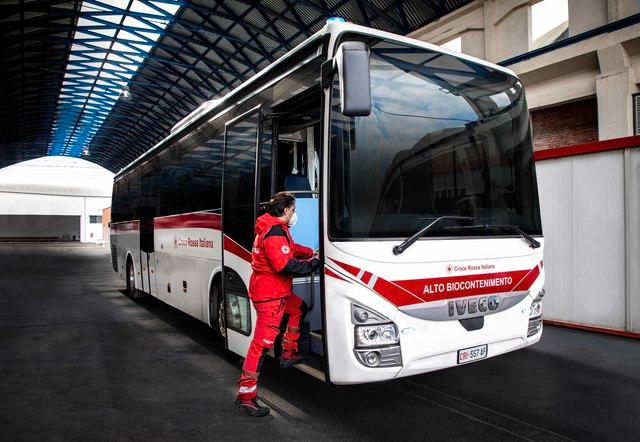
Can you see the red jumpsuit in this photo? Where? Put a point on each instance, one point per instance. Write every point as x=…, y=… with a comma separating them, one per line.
x=275, y=260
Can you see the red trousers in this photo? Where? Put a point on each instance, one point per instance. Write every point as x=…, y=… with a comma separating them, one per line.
x=269, y=316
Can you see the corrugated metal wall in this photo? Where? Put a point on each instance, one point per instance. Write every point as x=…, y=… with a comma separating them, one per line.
x=591, y=253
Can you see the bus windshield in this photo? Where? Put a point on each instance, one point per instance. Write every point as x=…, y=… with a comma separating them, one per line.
x=446, y=136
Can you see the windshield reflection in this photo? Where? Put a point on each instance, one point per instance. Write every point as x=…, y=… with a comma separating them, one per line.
x=445, y=137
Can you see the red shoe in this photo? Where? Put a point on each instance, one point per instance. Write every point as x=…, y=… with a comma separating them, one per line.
x=252, y=407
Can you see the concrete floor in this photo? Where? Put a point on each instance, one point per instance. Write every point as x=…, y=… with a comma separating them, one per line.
x=80, y=360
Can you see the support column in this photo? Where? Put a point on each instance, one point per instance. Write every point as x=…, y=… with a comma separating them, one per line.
x=585, y=15
x=615, y=118
x=510, y=24
x=618, y=9
x=83, y=221
x=473, y=43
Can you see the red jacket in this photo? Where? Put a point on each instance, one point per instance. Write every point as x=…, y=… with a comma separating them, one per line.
x=276, y=259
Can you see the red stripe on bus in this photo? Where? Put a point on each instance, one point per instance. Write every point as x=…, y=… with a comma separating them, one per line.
x=233, y=247
x=199, y=220
x=388, y=290
x=413, y=291
x=124, y=226
x=435, y=289
x=349, y=268
x=394, y=293
x=528, y=279
x=329, y=272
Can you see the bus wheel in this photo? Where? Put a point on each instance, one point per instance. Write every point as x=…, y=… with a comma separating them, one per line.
x=131, y=279
x=132, y=291
x=217, y=314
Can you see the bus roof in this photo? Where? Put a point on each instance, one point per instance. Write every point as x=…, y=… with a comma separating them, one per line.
x=332, y=30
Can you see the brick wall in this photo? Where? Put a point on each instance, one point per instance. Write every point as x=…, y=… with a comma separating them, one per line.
x=106, y=219
x=565, y=124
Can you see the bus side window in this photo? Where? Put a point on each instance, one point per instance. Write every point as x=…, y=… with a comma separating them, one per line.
x=266, y=163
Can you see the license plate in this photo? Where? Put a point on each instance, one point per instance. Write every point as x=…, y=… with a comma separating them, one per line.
x=472, y=354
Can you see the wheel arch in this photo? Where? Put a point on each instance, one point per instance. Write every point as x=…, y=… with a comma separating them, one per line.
x=215, y=278
x=129, y=255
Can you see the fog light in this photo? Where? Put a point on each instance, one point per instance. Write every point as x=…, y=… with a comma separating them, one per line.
x=372, y=358
x=360, y=314
x=380, y=357
x=535, y=325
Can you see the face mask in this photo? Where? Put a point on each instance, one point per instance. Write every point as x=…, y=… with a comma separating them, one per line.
x=293, y=220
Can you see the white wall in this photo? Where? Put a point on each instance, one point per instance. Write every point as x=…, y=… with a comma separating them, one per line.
x=591, y=250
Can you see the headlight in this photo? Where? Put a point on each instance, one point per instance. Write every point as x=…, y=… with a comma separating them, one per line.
x=536, y=310
x=376, y=335
x=536, y=305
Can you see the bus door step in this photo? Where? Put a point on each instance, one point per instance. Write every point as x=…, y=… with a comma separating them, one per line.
x=316, y=342
x=314, y=367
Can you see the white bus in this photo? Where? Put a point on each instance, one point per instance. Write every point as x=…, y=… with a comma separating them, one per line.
x=413, y=171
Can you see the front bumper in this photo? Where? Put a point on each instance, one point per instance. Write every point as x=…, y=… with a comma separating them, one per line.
x=425, y=345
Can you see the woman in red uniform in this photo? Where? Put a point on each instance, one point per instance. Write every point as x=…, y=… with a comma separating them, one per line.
x=275, y=260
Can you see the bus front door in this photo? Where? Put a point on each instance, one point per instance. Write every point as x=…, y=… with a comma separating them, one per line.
x=147, y=251
x=238, y=216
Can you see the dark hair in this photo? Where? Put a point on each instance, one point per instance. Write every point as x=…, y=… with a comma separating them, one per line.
x=279, y=202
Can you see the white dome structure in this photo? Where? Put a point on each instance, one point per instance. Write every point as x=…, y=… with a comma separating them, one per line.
x=54, y=198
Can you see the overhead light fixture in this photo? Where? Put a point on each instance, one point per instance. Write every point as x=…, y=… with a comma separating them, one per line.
x=125, y=94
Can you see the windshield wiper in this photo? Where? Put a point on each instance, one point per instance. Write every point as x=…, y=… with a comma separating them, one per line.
x=413, y=238
x=528, y=238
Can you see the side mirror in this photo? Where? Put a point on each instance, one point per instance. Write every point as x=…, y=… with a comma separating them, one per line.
x=352, y=61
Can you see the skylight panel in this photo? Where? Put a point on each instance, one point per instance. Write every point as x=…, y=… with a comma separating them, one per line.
x=110, y=18
x=143, y=47
x=85, y=22
x=107, y=32
x=135, y=23
x=111, y=41
x=145, y=9
x=125, y=35
x=170, y=7
x=150, y=35
x=117, y=58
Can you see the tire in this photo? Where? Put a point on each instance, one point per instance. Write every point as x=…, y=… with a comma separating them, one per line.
x=217, y=314
x=132, y=291
x=130, y=279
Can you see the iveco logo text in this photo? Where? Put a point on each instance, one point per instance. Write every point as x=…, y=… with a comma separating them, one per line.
x=470, y=306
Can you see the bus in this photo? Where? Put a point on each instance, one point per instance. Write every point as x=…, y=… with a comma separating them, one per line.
x=414, y=178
